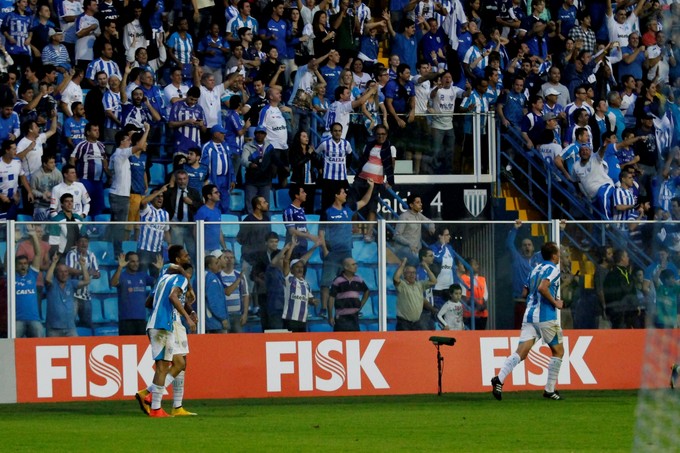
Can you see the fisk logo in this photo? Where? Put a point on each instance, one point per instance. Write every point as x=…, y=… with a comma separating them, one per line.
x=341, y=363
x=495, y=350
x=101, y=374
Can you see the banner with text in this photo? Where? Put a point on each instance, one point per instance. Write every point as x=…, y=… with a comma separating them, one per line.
x=328, y=364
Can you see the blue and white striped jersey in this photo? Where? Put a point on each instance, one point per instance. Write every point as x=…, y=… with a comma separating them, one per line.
x=538, y=308
x=72, y=260
x=296, y=299
x=183, y=47
x=334, y=158
x=624, y=197
x=216, y=157
x=235, y=299
x=110, y=67
x=113, y=104
x=189, y=135
x=163, y=312
x=89, y=160
x=153, y=228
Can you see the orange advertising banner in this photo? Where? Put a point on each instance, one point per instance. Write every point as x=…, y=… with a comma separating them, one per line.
x=325, y=364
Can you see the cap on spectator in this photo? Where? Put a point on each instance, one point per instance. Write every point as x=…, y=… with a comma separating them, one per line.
x=216, y=253
x=261, y=129
x=549, y=116
x=54, y=31
x=653, y=51
x=218, y=129
x=552, y=92
x=648, y=116
x=294, y=262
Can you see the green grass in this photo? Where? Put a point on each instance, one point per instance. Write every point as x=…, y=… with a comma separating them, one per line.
x=523, y=421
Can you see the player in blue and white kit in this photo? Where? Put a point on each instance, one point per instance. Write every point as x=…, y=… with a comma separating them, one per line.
x=540, y=321
x=167, y=335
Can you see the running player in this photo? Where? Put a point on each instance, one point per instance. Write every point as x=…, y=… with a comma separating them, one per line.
x=540, y=321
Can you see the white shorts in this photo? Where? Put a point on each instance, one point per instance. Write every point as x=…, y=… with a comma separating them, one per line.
x=549, y=331
x=181, y=346
x=162, y=344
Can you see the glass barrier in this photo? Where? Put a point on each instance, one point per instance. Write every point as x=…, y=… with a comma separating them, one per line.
x=353, y=275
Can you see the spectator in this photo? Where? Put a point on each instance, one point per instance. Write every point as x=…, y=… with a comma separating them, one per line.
x=334, y=241
x=213, y=49
x=235, y=291
x=28, y=312
x=182, y=202
x=87, y=29
x=55, y=53
x=188, y=120
x=11, y=175
x=619, y=292
x=70, y=185
x=443, y=97
x=92, y=163
x=297, y=292
x=180, y=48
x=197, y=172
x=16, y=26
x=138, y=110
x=78, y=260
x=110, y=36
x=94, y=100
x=340, y=111
x=532, y=123
x=407, y=235
x=154, y=232
x=400, y=100
x=621, y=25
x=210, y=212
x=554, y=77
x=450, y=316
x=216, y=319
x=296, y=222
x=377, y=164
x=591, y=174
x=121, y=181
x=344, y=302
x=175, y=91
x=666, y=316
x=275, y=31
x=335, y=153
x=9, y=122
x=215, y=156
x=61, y=313
x=210, y=95
x=257, y=159
x=410, y=295
x=72, y=93
x=510, y=107
x=583, y=33
x=480, y=296
x=74, y=128
x=241, y=20
x=30, y=148
x=131, y=285
x=43, y=182
x=405, y=44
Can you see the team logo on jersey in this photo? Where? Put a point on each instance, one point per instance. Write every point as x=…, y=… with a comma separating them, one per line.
x=475, y=200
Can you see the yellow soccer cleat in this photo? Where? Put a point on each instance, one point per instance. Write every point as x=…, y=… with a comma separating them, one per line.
x=142, y=399
x=181, y=412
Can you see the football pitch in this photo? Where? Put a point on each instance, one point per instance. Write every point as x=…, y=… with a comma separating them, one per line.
x=524, y=421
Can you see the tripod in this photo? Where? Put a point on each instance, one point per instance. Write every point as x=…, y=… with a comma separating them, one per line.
x=440, y=369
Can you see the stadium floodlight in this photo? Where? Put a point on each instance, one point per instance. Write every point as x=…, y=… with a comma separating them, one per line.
x=438, y=342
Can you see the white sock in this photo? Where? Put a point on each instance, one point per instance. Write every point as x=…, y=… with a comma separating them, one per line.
x=178, y=390
x=156, y=396
x=510, y=363
x=168, y=379
x=553, y=372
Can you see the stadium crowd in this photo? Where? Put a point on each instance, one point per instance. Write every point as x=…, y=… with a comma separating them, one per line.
x=93, y=95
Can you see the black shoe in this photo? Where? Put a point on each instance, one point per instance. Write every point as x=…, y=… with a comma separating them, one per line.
x=675, y=369
x=497, y=388
x=552, y=395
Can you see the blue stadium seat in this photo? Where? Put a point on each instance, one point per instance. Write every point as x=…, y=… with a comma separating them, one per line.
x=313, y=227
x=24, y=218
x=253, y=327
x=230, y=230
x=103, y=251
x=365, y=253
x=97, y=311
x=129, y=246
x=84, y=331
x=107, y=202
x=368, y=275
x=280, y=229
x=110, y=309
x=106, y=331
x=237, y=201
x=101, y=285
x=391, y=306
x=312, y=277
x=319, y=326
x=157, y=172
x=273, y=207
x=316, y=257
x=236, y=248
x=367, y=310
x=282, y=199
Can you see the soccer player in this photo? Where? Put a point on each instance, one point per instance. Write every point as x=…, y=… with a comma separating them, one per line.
x=540, y=321
x=167, y=335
